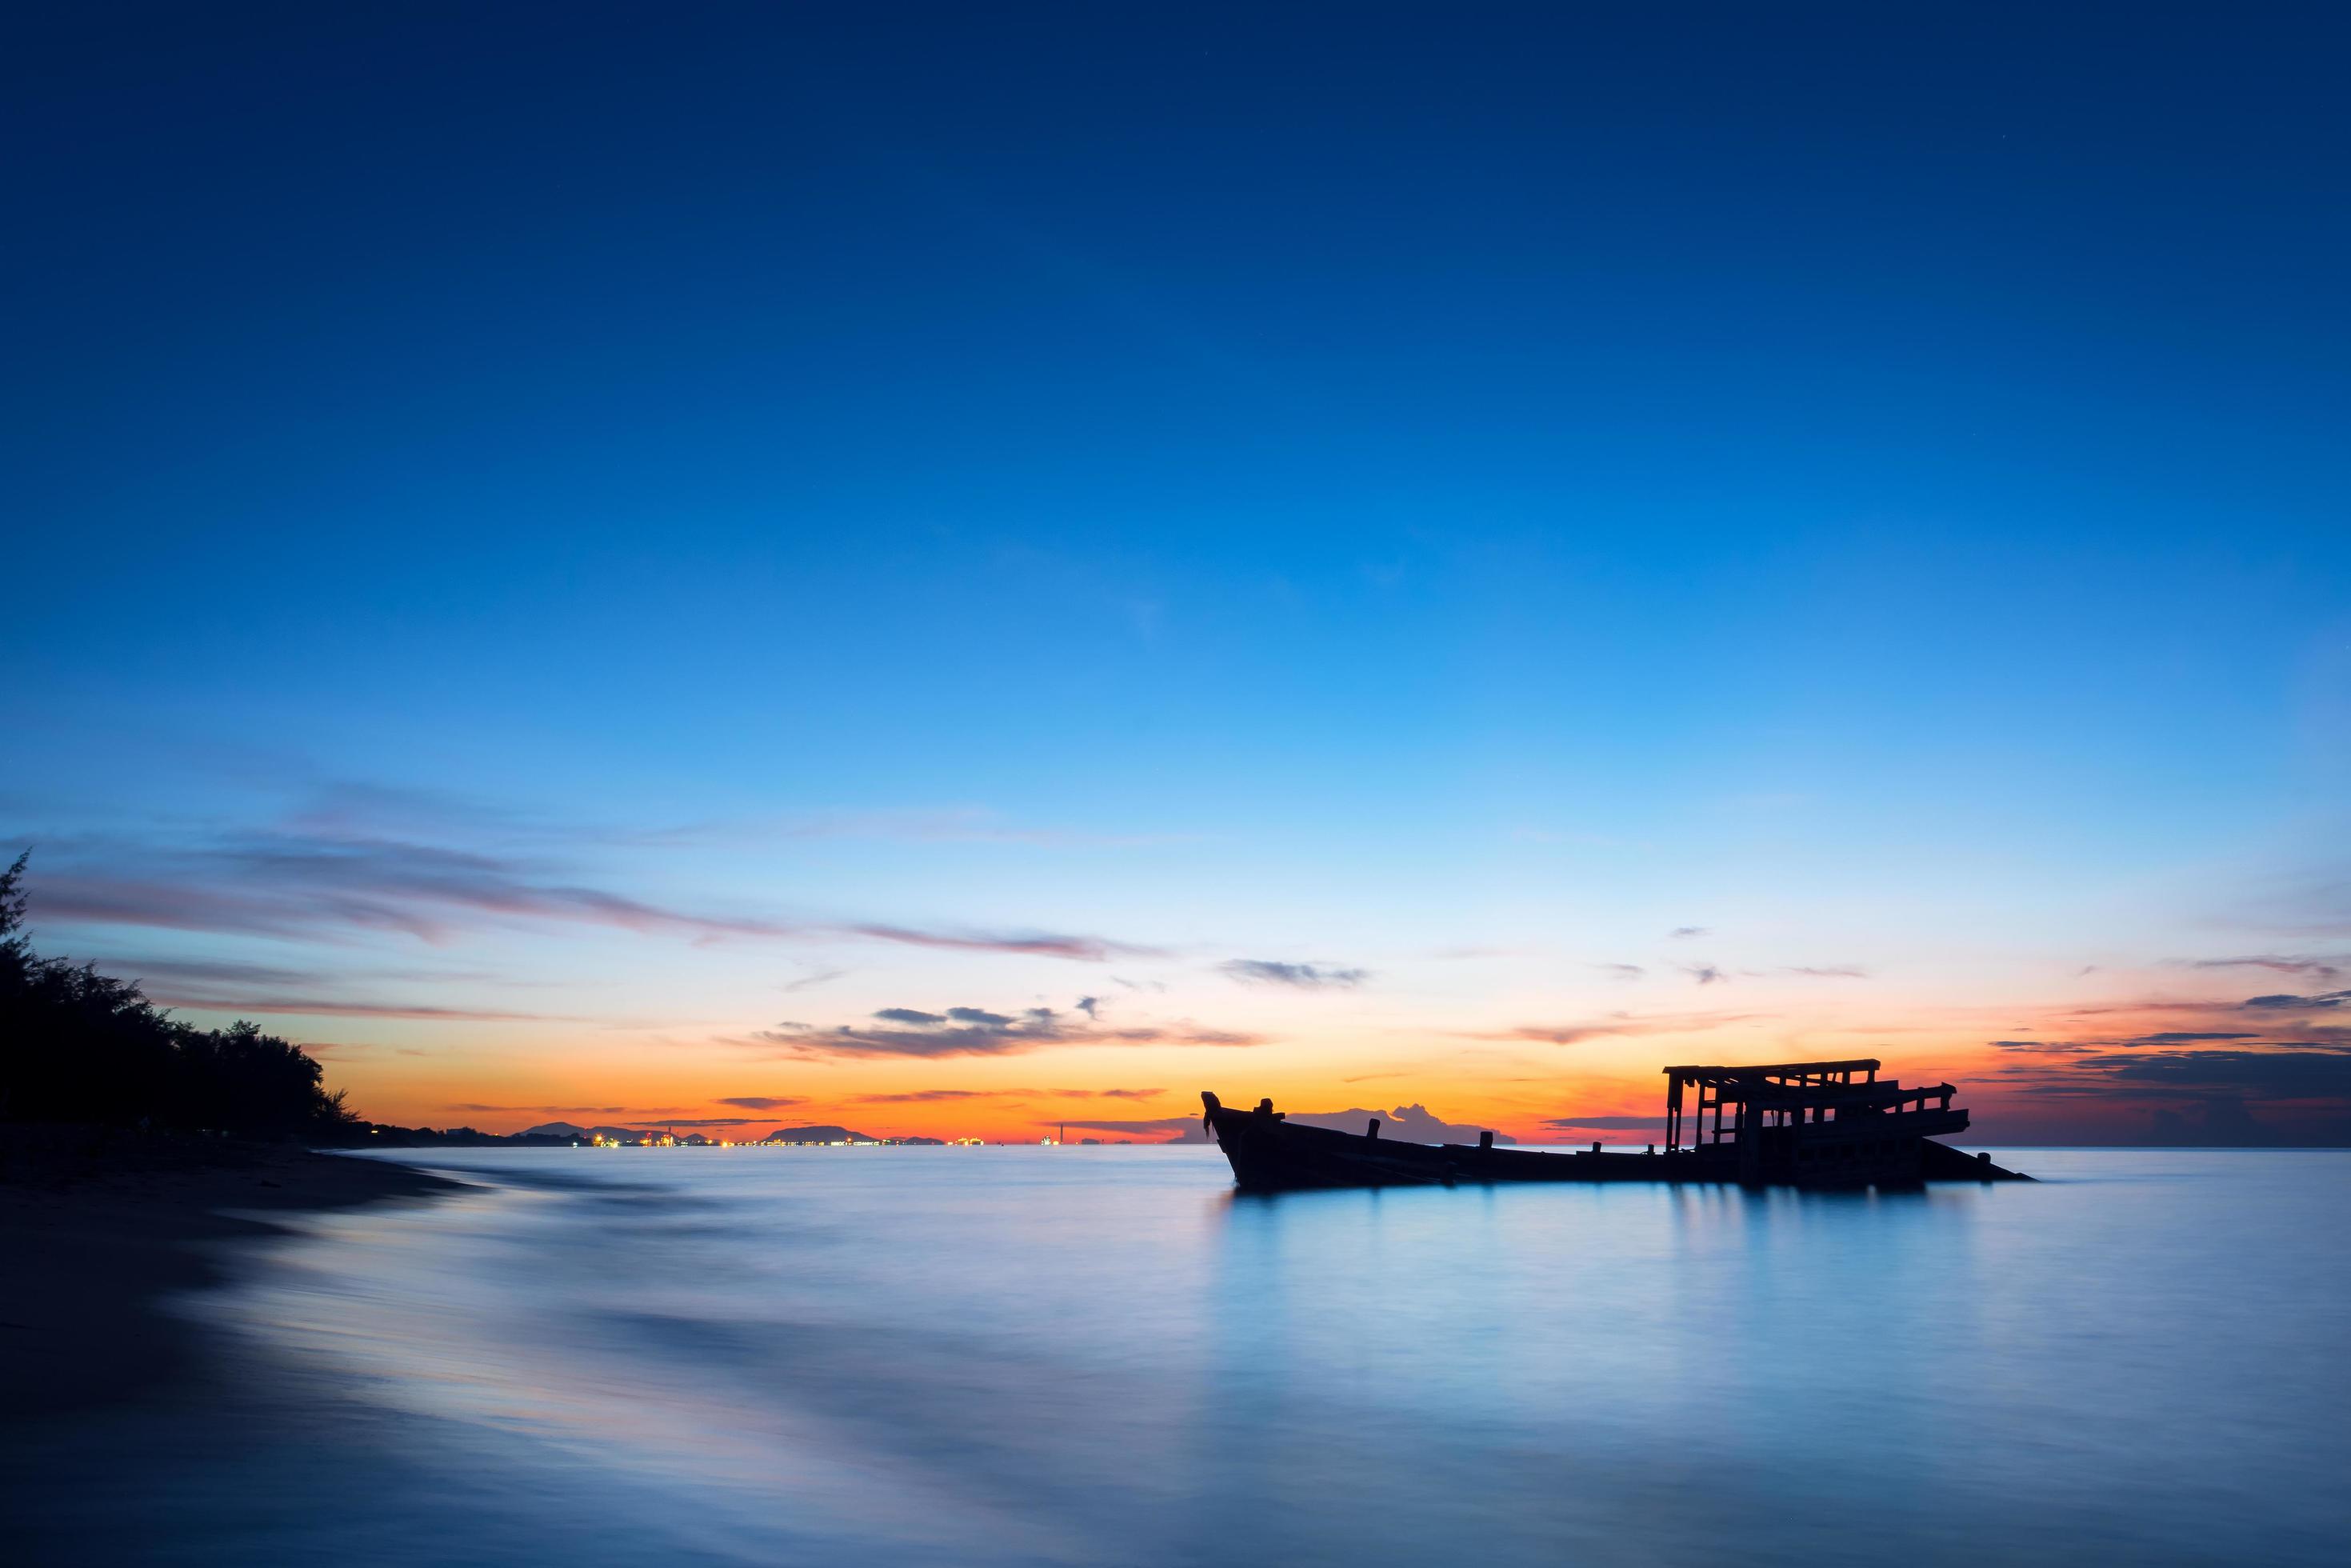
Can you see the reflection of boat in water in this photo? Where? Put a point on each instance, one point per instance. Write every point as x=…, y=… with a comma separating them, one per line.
x=1805, y=1123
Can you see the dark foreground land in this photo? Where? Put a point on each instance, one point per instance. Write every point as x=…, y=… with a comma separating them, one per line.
x=98, y=1226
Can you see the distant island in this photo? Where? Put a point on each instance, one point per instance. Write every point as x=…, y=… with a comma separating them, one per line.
x=565, y=1133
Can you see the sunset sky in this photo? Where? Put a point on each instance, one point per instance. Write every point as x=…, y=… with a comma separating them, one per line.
x=958, y=569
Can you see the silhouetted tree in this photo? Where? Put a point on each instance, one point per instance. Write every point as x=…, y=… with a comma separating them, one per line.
x=79, y=1046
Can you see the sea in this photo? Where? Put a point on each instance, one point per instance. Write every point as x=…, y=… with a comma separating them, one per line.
x=1106, y=1355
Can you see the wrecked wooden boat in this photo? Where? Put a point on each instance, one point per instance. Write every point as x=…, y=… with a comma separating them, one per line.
x=1798, y=1124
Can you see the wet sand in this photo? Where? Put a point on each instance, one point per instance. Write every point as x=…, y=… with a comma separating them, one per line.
x=98, y=1228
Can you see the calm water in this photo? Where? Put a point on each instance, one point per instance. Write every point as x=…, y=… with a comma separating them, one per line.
x=1103, y=1355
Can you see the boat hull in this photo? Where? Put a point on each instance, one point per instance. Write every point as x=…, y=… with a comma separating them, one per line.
x=1268, y=1153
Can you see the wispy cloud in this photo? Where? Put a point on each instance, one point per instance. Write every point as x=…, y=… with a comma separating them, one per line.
x=926, y=1096
x=2322, y=1001
x=2273, y=1074
x=929, y=1096
x=1619, y=1024
x=346, y=807
x=1037, y=943
x=1186, y=1128
x=154, y=974
x=1302, y=976
x=1682, y=933
x=2311, y=969
x=953, y=824
x=1703, y=974
x=227, y=986
x=657, y=1116
x=307, y=885
x=2314, y=904
x=976, y=1031
x=708, y=1121
x=1828, y=971
x=2257, y=1023
x=288, y=884
x=1605, y=1124
x=563, y=1110
x=264, y=1005
x=1620, y=971
x=2302, y=1072
x=2181, y=1037
x=353, y=807
x=762, y=1101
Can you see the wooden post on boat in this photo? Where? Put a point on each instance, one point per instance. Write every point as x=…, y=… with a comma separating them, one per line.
x=1375, y=1128
x=1750, y=1140
x=1485, y=1140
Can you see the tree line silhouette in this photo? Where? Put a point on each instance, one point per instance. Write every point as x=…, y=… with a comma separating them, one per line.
x=79, y=1046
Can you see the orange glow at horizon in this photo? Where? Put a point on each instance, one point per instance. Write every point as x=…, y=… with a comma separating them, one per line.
x=1516, y=1086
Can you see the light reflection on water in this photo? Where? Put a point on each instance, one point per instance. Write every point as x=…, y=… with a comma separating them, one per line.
x=1092, y=1355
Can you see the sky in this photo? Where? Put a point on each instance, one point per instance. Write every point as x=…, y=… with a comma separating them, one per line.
x=962, y=570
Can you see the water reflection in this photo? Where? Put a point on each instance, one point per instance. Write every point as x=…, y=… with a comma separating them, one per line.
x=1088, y=1355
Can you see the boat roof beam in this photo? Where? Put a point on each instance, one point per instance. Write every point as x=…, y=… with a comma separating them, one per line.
x=1864, y=1065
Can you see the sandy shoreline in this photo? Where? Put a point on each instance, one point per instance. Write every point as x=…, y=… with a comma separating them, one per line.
x=97, y=1231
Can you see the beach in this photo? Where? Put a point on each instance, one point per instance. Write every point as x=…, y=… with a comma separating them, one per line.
x=100, y=1227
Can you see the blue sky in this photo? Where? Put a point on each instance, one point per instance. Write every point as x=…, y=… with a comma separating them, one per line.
x=1340, y=485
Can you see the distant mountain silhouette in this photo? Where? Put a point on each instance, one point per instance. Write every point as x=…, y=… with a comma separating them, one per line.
x=825, y=1135
x=573, y=1130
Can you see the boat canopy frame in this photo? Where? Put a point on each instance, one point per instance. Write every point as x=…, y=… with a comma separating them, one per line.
x=1782, y=1094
